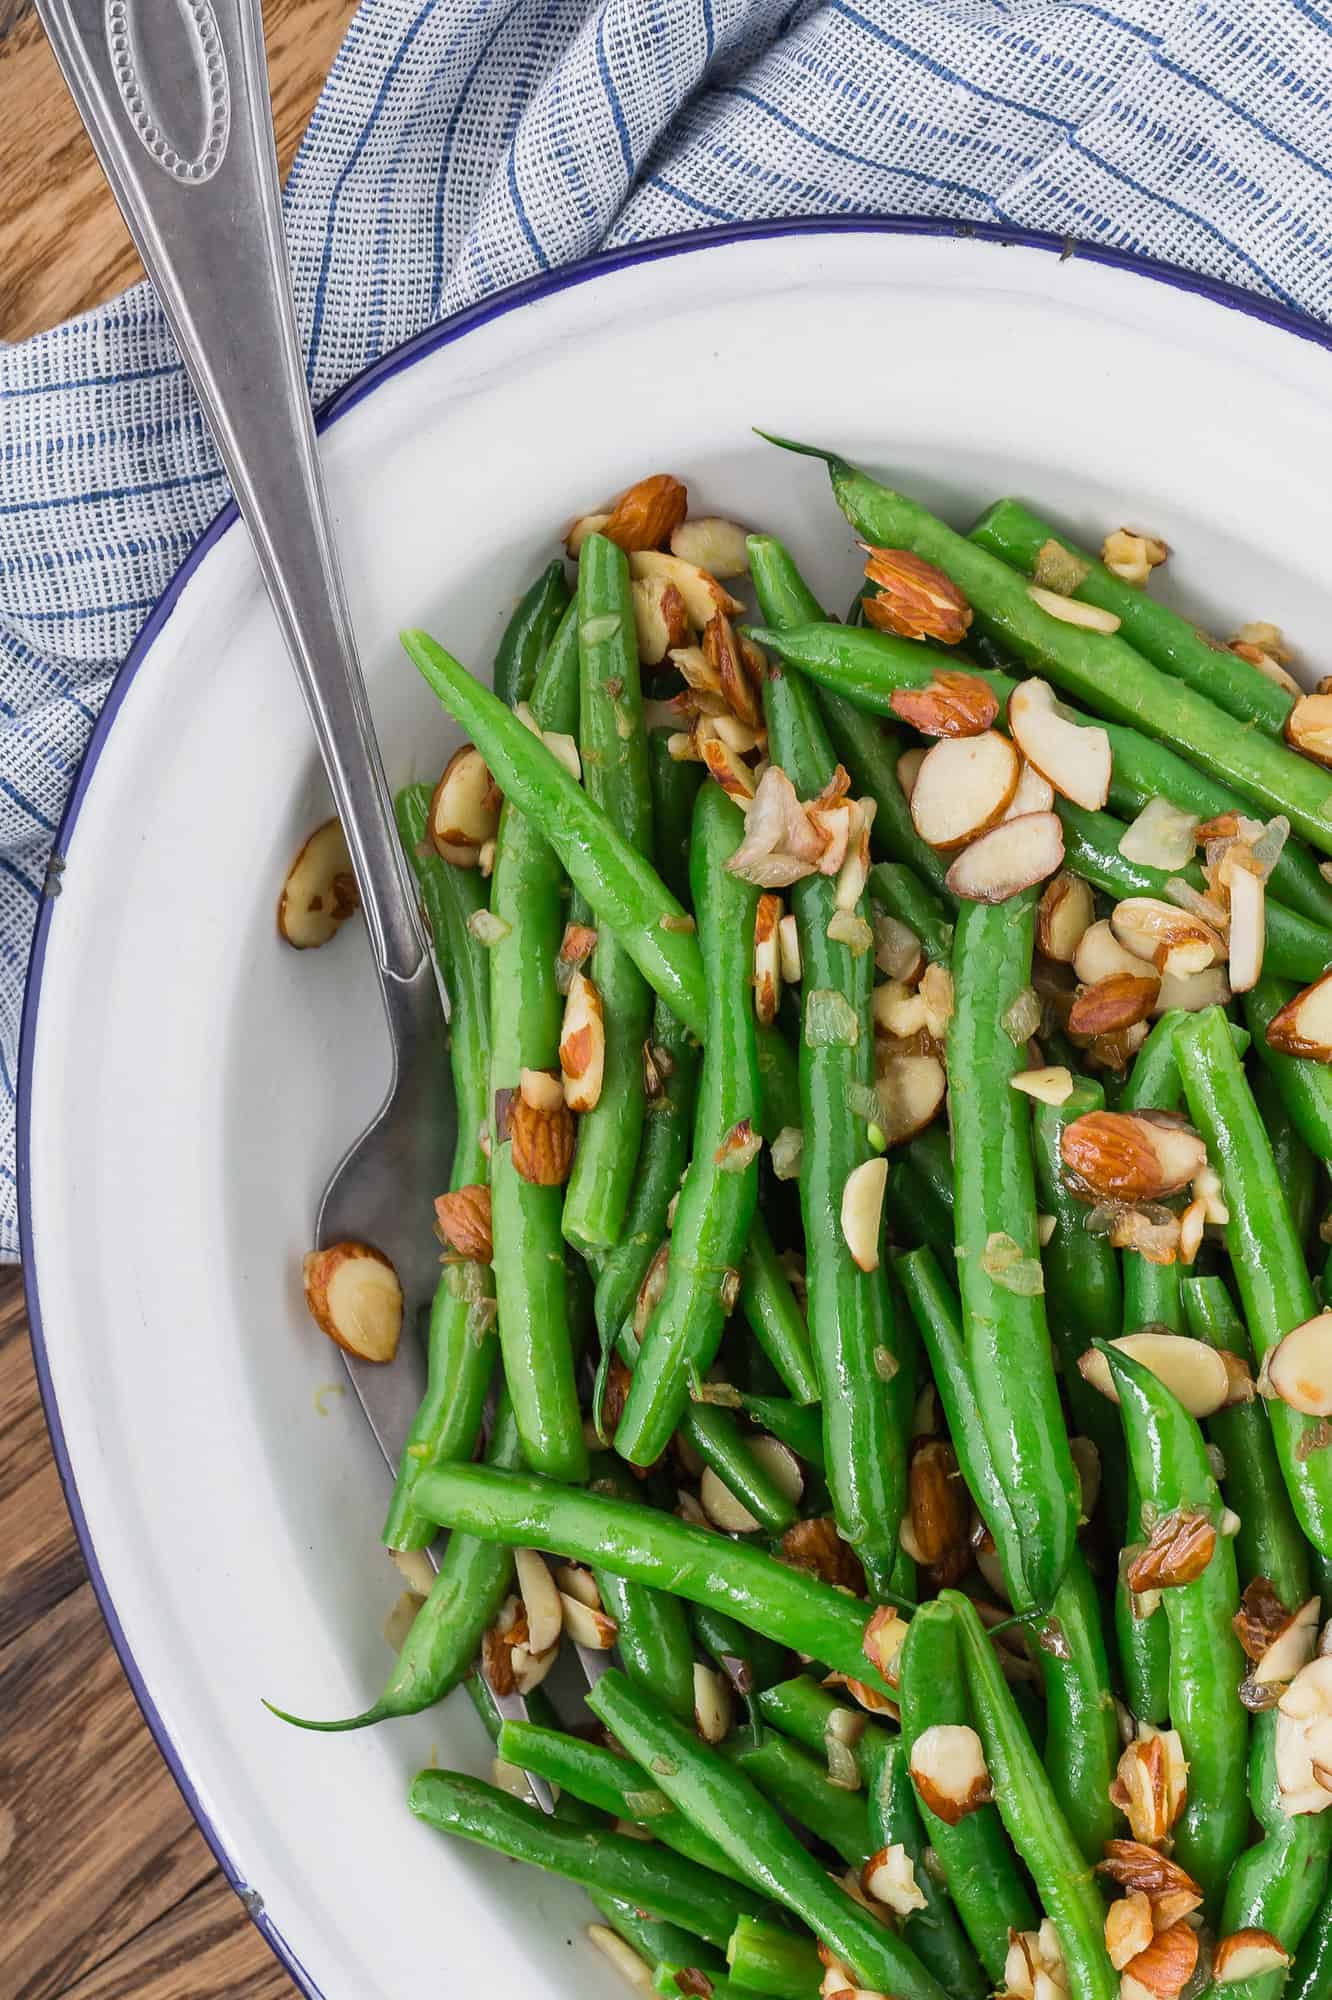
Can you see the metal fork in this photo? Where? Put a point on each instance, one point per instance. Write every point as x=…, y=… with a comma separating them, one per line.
x=175, y=100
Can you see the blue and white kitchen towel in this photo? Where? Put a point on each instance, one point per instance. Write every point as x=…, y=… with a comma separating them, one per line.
x=460, y=145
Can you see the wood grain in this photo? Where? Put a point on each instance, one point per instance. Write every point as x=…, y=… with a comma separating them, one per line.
x=107, y=1888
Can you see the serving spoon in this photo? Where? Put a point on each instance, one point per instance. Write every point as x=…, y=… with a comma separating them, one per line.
x=175, y=100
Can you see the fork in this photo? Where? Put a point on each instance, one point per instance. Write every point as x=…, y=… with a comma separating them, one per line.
x=175, y=100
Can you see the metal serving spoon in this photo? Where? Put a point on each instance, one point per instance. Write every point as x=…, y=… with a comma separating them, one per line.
x=175, y=100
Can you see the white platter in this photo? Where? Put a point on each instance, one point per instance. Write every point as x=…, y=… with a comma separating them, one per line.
x=187, y=1081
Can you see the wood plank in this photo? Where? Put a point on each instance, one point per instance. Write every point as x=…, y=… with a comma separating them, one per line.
x=195, y=1949
x=39, y=1557
x=63, y=246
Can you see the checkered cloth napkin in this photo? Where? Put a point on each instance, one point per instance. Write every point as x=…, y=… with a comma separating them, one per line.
x=460, y=145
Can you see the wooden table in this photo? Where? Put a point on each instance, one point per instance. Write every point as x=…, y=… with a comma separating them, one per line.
x=107, y=1889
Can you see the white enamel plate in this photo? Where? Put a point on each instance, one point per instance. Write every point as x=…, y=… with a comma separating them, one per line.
x=188, y=1081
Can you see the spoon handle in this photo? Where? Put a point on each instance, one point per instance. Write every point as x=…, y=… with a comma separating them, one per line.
x=175, y=100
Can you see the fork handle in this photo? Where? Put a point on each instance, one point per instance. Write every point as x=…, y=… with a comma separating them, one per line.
x=175, y=99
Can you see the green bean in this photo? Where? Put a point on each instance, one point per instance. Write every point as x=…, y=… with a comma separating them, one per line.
x=1151, y=1291
x=1311, y=1974
x=799, y=1426
x=677, y=1978
x=540, y=1708
x=775, y=1319
x=723, y=1445
x=934, y=1933
x=1143, y=1642
x=920, y=1190
x=765, y=1959
x=1008, y=1342
x=721, y=1799
x=649, y=1546
x=652, y=1630
x=1101, y=670
x=977, y=1861
x=460, y=1357
x=1030, y=1811
x=1297, y=1169
x=472, y=1582
x=779, y=1075
x=1082, y=1745
x=674, y=783
x=893, y=885
x=531, y=1290
x=805, y=1711
x=865, y=1418
x=623, y=889
x=655, y=1941
x=529, y=632
x=1009, y=530
x=1268, y=1542
x=1305, y=1086
x=653, y=1878
x=1265, y=1255
x=793, y=1780
x=611, y=1783
x=1173, y=1474
x=748, y=1660
x=870, y=755
x=717, y=1196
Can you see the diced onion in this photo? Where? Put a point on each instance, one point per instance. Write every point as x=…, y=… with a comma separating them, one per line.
x=787, y=1148
x=830, y=1020
x=1162, y=836
x=487, y=928
x=1023, y=1017
x=845, y=927
x=1057, y=568
x=1003, y=1261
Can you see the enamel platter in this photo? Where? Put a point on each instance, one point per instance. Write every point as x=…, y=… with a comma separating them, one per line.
x=189, y=1081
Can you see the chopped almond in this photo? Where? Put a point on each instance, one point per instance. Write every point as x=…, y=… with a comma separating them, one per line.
x=1168, y=937
x=1248, y=1954
x=1133, y=1865
x=1309, y=727
x=587, y=1625
x=585, y=525
x=647, y=514
x=541, y=1600
x=1064, y=915
x=1130, y=1155
x=917, y=600
x=1117, y=1002
x=1192, y=1370
x=885, y=1636
x=712, y=544
x=1180, y=1546
x=767, y=958
x=1132, y=557
x=789, y=941
x=1075, y=757
x=1166, y=1966
x=952, y=704
x=463, y=1217
x=319, y=892
x=1048, y=1086
x=464, y=811
x=543, y=1142
x=702, y=593
x=1012, y=856
x=1298, y=1370
x=1141, y=1791
x=962, y=787
x=354, y=1297
x=1071, y=611
x=1303, y=1027
x=889, y=1877
x=862, y=1211
x=660, y=619
x=949, y=1771
x=1128, y=1928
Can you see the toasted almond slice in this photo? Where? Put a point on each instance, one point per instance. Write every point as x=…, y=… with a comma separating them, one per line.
x=712, y=544
x=962, y=787
x=1192, y=1223
x=586, y=1625
x=647, y=514
x=1190, y=1369
x=464, y=811
x=781, y=1465
x=1178, y=1550
x=1292, y=1647
x=789, y=940
x=1248, y=929
x=1131, y=1155
x=1298, y=1370
x=767, y=958
x=319, y=893
x=660, y=618
x=897, y=949
x=1128, y=1928
x=721, y=649
x=862, y=1211
x=713, y=1703
x=540, y=1090
x=1165, y=1968
x=885, y=1636
x=1034, y=794
x=949, y=1771
x=577, y=1582
x=951, y=704
x=908, y=769
x=919, y=600
x=702, y=593
x=1309, y=727
x=541, y=1600
x=1052, y=1085
x=585, y=525
x=1074, y=756
x=721, y=1506
x=911, y=1091
x=1012, y=856
x=734, y=776
x=1303, y=1027
x=354, y=1297
x=582, y=1046
x=1071, y=611
x=1169, y=938
x=1191, y=993
x=938, y=1506
x=635, y=1971
x=1099, y=955
x=1247, y=1954
x=1120, y=1001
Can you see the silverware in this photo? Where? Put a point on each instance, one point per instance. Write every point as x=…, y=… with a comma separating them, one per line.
x=175, y=99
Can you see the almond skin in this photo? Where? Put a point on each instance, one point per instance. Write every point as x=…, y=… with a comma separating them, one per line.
x=816, y=1546
x=952, y=705
x=1178, y=1550
x=647, y=515
x=354, y=1297
x=464, y=1222
x=1141, y=1790
x=1135, y=1866
x=543, y=1143
x=1167, y=1965
x=1260, y=1618
x=1246, y=1955
x=1128, y=1156
x=721, y=650
x=1120, y=1001
x=917, y=601
x=938, y=1502
x=1303, y=1027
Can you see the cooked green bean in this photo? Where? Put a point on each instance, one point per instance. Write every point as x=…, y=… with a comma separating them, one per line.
x=779, y=1075
x=1174, y=1476
x=1305, y=1086
x=674, y=782
x=1297, y=1169
x=1008, y=1342
x=793, y=1780
x=460, y=1356
x=766, y=1959
x=798, y=1425
x=1265, y=1255
x=651, y=1877
x=657, y=1943
x=720, y=1189
x=920, y=1190
x=775, y=1319
x=652, y=1629
x=614, y=750
x=748, y=1660
x=716, y=1796
x=1311, y=1974
x=805, y=1711
x=640, y=1542
x=534, y=623
x=903, y=896
x=933, y=1933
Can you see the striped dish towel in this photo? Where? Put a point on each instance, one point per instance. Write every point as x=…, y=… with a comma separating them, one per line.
x=461, y=145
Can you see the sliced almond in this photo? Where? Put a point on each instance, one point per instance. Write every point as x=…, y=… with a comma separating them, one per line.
x=949, y=1771
x=635, y=1971
x=862, y=1211
x=1166, y=1966
x=354, y=1297
x=938, y=1504
x=1133, y=1865
x=1132, y=556
x=577, y=1582
x=1309, y=727
x=789, y=942
x=721, y=649
x=1192, y=1223
x=897, y=950
x=767, y=958
x=889, y=1877
x=1190, y=1369
x=1099, y=955
x=1009, y=858
x=951, y=704
x=731, y=772
x=936, y=990
x=1053, y=1085
x=1162, y=836
x=816, y=1546
x=586, y=524
x=713, y=1703
x=1131, y=1156
x=1128, y=1928
x=885, y=1636
x=962, y=787
x=1248, y=930
x=908, y=769
x=1167, y=937
x=541, y=1600
x=319, y=893
x=917, y=599
x=1248, y=1954
x=911, y=1091
x=1189, y=995
x=1075, y=757
x=660, y=618
x=1120, y=1001
x=583, y=1045
x=1034, y=794
x=587, y=1625
x=722, y=1508
x=712, y=544
x=702, y=593
x=464, y=811
x=1303, y=1027
x=1071, y=610
x=1298, y=1369
x=1290, y=1649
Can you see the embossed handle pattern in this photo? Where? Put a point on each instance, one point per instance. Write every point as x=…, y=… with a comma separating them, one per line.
x=174, y=94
